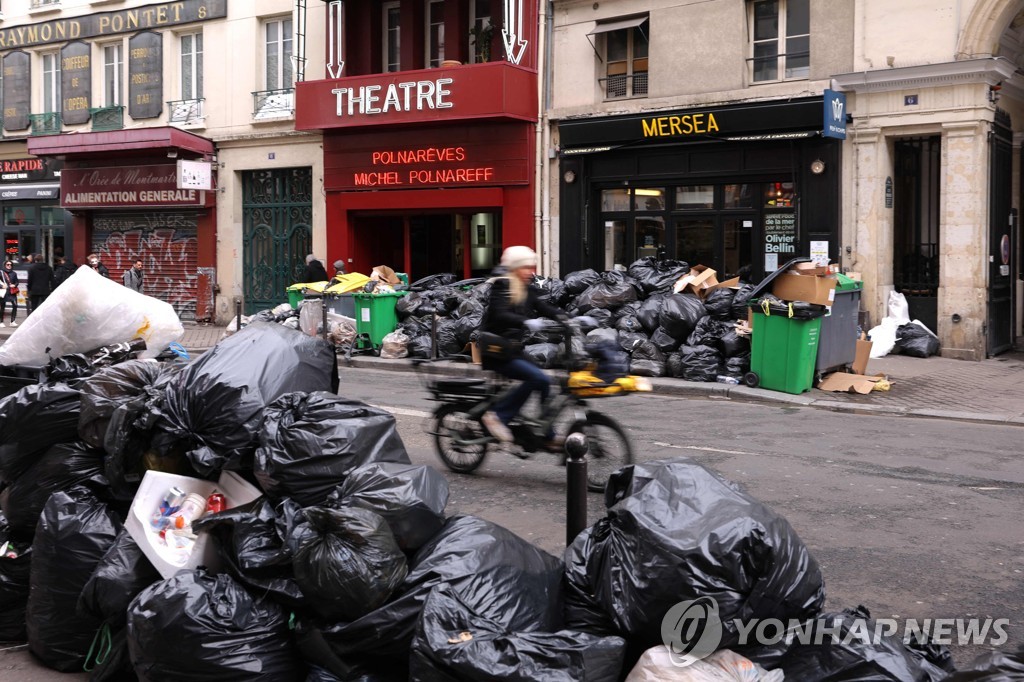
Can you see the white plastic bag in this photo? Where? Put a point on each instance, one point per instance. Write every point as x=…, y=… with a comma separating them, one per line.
x=88, y=311
x=395, y=345
x=898, y=308
x=883, y=337
x=657, y=665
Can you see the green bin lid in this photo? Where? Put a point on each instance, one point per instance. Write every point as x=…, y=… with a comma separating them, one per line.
x=845, y=283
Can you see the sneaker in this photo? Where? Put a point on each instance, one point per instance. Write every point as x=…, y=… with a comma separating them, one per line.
x=2, y=324
x=13, y=323
x=496, y=427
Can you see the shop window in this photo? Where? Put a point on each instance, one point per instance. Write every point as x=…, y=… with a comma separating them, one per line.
x=392, y=37
x=738, y=196
x=113, y=75
x=624, y=56
x=695, y=196
x=695, y=240
x=615, y=256
x=779, y=39
x=51, y=82
x=779, y=195
x=649, y=199
x=613, y=200
x=649, y=233
x=481, y=30
x=435, y=33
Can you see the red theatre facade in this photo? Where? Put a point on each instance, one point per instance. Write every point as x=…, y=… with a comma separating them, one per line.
x=429, y=143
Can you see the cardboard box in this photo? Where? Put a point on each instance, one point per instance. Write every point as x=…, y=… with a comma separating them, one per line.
x=733, y=283
x=862, y=354
x=698, y=281
x=807, y=288
x=843, y=382
x=810, y=269
x=155, y=484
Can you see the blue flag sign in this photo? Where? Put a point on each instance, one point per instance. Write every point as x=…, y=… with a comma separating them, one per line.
x=835, y=115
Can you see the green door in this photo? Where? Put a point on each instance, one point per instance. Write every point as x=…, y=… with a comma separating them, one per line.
x=277, y=208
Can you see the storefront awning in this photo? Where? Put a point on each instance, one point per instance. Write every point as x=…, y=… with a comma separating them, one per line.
x=22, y=192
x=608, y=26
x=141, y=141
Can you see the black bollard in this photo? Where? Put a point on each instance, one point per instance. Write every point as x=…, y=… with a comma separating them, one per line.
x=238, y=313
x=433, y=336
x=576, y=486
x=323, y=311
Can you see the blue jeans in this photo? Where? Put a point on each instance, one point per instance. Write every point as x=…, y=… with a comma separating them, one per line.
x=532, y=378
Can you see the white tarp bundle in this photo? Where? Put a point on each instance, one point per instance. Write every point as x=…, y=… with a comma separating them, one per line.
x=88, y=311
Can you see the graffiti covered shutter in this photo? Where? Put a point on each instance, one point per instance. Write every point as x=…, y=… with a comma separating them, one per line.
x=167, y=244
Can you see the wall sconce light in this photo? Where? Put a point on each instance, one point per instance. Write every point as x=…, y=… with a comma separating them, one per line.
x=172, y=153
x=569, y=177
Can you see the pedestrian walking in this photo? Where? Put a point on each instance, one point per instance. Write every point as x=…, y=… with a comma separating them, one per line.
x=94, y=262
x=132, y=277
x=339, y=268
x=40, y=282
x=315, y=271
x=9, y=283
x=63, y=268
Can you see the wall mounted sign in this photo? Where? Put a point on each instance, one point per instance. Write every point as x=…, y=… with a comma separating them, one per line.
x=514, y=30
x=75, y=82
x=145, y=75
x=17, y=90
x=101, y=24
x=335, y=38
x=779, y=237
x=30, y=169
x=888, y=192
x=128, y=186
x=835, y=115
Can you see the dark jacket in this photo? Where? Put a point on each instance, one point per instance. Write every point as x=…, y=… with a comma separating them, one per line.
x=40, y=279
x=315, y=272
x=506, y=319
x=63, y=271
x=101, y=268
x=11, y=279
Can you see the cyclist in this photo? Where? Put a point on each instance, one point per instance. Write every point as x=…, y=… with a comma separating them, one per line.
x=514, y=300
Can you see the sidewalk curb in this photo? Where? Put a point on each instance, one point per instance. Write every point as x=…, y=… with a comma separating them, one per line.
x=714, y=391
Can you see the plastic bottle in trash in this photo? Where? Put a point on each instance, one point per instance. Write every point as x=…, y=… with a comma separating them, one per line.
x=192, y=508
x=722, y=379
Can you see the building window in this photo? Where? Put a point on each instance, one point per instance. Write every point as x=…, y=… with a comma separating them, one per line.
x=51, y=82
x=435, y=33
x=482, y=31
x=113, y=74
x=279, y=55
x=780, y=39
x=625, y=57
x=392, y=37
x=191, y=66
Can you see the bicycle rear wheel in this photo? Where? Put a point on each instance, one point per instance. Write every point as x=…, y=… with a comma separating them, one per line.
x=460, y=440
x=608, y=448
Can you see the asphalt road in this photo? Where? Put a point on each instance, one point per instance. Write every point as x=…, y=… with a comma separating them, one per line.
x=913, y=518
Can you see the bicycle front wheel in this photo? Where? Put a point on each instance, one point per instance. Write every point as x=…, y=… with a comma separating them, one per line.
x=608, y=448
x=460, y=440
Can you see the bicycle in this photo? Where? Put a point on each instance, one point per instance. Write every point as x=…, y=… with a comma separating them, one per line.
x=462, y=442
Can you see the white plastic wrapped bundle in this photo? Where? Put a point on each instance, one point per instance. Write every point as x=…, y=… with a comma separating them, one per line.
x=88, y=311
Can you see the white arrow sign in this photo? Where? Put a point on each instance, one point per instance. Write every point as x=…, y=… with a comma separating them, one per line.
x=335, y=33
x=513, y=31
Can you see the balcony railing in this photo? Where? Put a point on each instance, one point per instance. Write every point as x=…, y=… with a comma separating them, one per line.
x=625, y=85
x=185, y=111
x=36, y=4
x=273, y=103
x=45, y=124
x=107, y=118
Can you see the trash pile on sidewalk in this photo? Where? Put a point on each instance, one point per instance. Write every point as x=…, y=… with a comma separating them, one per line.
x=898, y=334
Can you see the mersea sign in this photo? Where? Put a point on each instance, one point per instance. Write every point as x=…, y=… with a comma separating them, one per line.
x=111, y=23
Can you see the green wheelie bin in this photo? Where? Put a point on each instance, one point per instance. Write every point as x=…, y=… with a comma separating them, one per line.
x=784, y=346
x=375, y=315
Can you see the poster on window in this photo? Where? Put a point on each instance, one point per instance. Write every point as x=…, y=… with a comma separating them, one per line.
x=17, y=90
x=75, y=82
x=145, y=75
x=780, y=239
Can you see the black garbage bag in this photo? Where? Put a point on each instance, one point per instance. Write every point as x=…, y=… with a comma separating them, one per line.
x=628, y=342
x=122, y=573
x=914, y=340
x=195, y=626
x=544, y=355
x=15, y=565
x=410, y=497
x=421, y=346
x=718, y=303
x=732, y=344
x=665, y=342
x=448, y=343
x=699, y=363
x=553, y=291
x=657, y=275
x=680, y=314
x=650, y=312
x=252, y=542
x=994, y=666
x=524, y=582
x=707, y=332
x=416, y=326
x=736, y=366
x=604, y=318
x=60, y=467
x=740, y=300
x=346, y=561
x=602, y=336
x=75, y=530
x=432, y=281
x=844, y=646
x=548, y=331
x=629, y=324
x=408, y=305
x=674, y=532
x=34, y=419
x=577, y=282
x=309, y=442
x=215, y=405
x=494, y=651
x=465, y=326
x=612, y=291
x=647, y=361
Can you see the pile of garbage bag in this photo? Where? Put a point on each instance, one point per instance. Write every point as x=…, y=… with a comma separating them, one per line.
x=664, y=334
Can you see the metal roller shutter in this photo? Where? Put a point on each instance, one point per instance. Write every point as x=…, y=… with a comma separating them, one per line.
x=167, y=244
